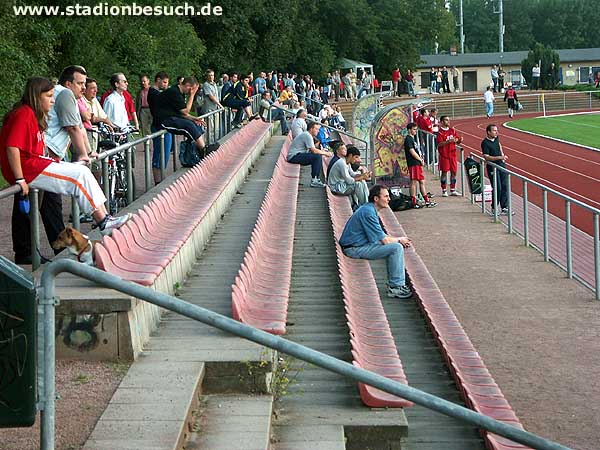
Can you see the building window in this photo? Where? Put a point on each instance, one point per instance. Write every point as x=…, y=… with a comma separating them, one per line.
x=584, y=73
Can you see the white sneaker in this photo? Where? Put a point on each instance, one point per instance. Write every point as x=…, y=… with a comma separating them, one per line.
x=114, y=223
x=444, y=193
x=315, y=182
x=399, y=292
x=453, y=193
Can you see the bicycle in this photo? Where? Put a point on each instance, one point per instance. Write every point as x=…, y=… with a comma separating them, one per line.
x=117, y=166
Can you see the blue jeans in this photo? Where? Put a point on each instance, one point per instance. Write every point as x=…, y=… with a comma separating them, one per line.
x=309, y=159
x=156, y=148
x=393, y=253
x=410, y=87
x=489, y=108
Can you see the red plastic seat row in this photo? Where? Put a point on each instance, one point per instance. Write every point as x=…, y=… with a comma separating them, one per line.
x=152, y=240
x=478, y=388
x=260, y=292
x=373, y=346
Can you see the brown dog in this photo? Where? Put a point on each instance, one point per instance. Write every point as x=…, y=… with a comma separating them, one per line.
x=77, y=243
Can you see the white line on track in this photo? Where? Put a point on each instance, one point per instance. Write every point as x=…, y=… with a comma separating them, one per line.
x=543, y=161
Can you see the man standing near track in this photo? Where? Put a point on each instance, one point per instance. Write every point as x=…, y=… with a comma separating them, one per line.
x=493, y=153
x=447, y=138
x=488, y=99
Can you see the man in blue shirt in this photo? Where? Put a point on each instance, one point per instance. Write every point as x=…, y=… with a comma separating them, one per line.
x=364, y=238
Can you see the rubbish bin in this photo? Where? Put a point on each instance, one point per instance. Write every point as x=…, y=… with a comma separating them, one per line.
x=17, y=346
x=474, y=175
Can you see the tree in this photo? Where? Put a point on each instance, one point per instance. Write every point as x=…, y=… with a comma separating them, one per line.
x=547, y=56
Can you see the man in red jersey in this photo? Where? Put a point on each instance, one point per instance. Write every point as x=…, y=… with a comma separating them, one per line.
x=447, y=138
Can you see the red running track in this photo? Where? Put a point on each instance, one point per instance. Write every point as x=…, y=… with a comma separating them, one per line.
x=569, y=169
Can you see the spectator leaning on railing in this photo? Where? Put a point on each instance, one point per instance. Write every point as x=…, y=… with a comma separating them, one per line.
x=161, y=82
x=114, y=104
x=22, y=160
x=141, y=104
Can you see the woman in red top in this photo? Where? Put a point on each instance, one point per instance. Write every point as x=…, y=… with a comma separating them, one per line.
x=23, y=162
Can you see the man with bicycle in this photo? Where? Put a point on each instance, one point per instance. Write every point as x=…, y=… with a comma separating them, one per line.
x=173, y=113
x=114, y=105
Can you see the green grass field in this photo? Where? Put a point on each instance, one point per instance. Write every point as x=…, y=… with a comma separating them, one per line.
x=581, y=129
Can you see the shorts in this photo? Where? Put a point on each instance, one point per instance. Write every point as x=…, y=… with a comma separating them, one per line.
x=447, y=164
x=416, y=173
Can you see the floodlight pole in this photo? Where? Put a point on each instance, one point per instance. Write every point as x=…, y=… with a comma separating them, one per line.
x=500, y=12
x=461, y=26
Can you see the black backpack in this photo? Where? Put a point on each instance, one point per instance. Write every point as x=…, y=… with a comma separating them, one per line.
x=189, y=155
x=400, y=201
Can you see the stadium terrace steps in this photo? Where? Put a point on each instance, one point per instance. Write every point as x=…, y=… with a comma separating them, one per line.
x=217, y=364
x=318, y=399
x=260, y=292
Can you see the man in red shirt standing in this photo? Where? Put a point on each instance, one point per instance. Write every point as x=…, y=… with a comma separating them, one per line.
x=395, y=80
x=447, y=138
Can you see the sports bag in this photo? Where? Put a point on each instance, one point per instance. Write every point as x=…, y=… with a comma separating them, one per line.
x=189, y=155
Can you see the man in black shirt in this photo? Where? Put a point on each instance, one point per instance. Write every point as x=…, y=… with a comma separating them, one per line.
x=414, y=161
x=172, y=111
x=492, y=152
x=161, y=82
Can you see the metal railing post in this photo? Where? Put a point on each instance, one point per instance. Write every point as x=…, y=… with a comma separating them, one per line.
x=147, y=166
x=106, y=182
x=472, y=111
x=483, y=167
x=525, y=215
x=568, y=239
x=75, y=213
x=597, y=254
x=510, y=209
x=162, y=155
x=462, y=171
x=495, y=194
x=174, y=154
x=34, y=217
x=545, y=225
x=129, y=175
x=590, y=98
x=564, y=100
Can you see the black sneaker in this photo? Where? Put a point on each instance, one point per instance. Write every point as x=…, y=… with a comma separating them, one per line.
x=212, y=147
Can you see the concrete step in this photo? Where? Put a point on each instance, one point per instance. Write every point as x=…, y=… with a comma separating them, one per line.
x=313, y=437
x=151, y=408
x=425, y=369
x=232, y=422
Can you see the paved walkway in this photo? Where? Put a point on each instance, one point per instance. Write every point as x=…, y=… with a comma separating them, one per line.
x=537, y=331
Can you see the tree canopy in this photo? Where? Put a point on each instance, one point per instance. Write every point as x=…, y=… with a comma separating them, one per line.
x=305, y=36
x=554, y=23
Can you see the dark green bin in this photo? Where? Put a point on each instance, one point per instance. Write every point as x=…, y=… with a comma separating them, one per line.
x=17, y=346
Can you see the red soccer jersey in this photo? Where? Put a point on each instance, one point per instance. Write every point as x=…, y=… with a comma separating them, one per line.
x=447, y=150
x=395, y=75
x=21, y=130
x=424, y=123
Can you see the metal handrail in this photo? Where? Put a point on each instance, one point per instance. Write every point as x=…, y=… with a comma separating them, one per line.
x=212, y=134
x=49, y=300
x=545, y=247
x=10, y=191
x=533, y=94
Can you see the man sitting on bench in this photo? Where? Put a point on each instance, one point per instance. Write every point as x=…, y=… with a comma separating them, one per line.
x=365, y=238
x=342, y=180
x=173, y=113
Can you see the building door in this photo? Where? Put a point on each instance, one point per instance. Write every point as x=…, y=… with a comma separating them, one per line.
x=469, y=81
